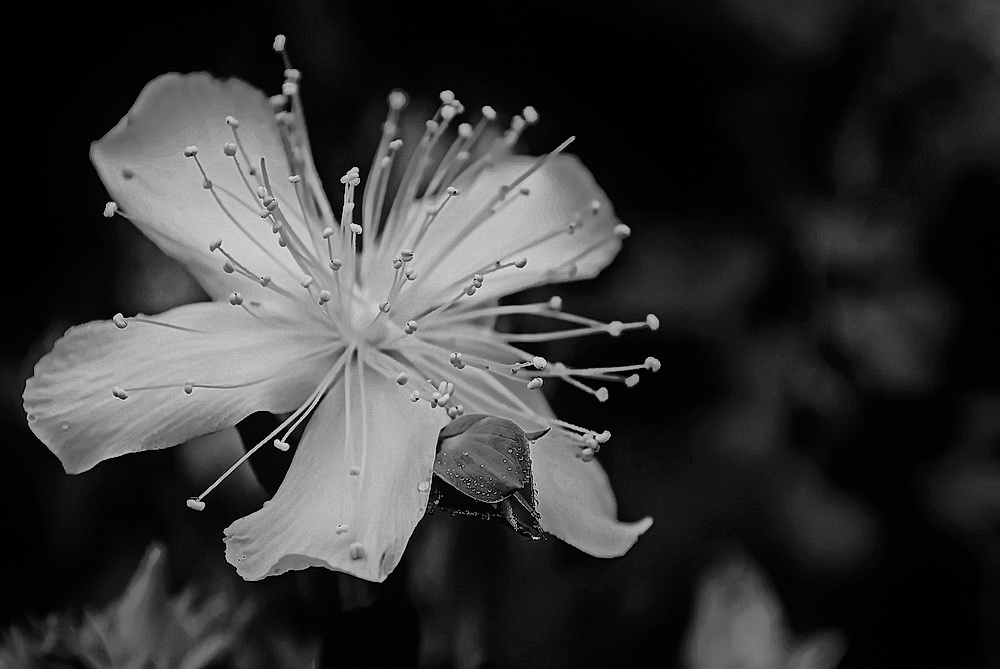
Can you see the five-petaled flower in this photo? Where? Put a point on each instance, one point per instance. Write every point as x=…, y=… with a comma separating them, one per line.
x=378, y=344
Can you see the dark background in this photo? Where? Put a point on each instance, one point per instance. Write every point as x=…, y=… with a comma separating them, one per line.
x=814, y=198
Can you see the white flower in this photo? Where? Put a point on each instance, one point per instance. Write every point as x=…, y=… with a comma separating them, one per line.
x=378, y=349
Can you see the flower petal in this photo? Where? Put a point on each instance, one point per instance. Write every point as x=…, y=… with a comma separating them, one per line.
x=142, y=163
x=559, y=191
x=575, y=498
x=269, y=361
x=322, y=515
x=576, y=502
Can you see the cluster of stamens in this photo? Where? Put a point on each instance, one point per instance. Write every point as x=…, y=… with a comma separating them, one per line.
x=387, y=332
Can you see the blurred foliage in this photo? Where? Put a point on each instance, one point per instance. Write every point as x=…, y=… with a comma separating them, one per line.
x=814, y=192
x=147, y=629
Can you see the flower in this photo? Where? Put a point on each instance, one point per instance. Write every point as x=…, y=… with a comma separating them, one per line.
x=379, y=343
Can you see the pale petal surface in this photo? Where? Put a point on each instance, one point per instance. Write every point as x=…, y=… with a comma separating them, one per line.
x=142, y=163
x=323, y=515
x=264, y=363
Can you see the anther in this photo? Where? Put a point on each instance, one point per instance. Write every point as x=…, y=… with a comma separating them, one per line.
x=119, y=321
x=293, y=75
x=489, y=113
x=355, y=228
x=520, y=263
x=415, y=396
x=615, y=328
x=232, y=122
x=530, y=115
x=652, y=322
x=410, y=274
x=229, y=148
x=622, y=230
x=281, y=445
x=402, y=379
x=632, y=380
x=235, y=299
x=406, y=255
x=110, y=209
x=384, y=306
x=535, y=383
x=307, y=281
x=188, y=387
x=119, y=392
x=228, y=268
x=652, y=364
x=451, y=190
x=397, y=263
x=587, y=454
x=397, y=100
x=603, y=437
x=279, y=43
x=336, y=264
x=324, y=296
x=555, y=303
x=601, y=394
x=215, y=245
x=356, y=551
x=191, y=151
x=595, y=206
x=196, y=504
x=410, y=327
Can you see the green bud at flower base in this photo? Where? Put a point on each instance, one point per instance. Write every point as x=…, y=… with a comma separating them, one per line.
x=487, y=460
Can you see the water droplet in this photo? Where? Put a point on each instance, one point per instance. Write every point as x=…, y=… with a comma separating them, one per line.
x=423, y=486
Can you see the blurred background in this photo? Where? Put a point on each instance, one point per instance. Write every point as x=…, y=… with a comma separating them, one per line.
x=813, y=190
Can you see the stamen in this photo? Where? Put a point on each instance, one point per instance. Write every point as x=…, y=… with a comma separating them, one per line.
x=121, y=322
x=378, y=174
x=234, y=125
x=432, y=214
x=192, y=152
x=188, y=387
x=614, y=328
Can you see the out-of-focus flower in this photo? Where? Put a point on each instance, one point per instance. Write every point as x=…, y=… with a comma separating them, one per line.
x=738, y=622
x=148, y=628
x=363, y=344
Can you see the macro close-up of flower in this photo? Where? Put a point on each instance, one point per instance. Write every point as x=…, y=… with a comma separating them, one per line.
x=544, y=335
x=374, y=325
